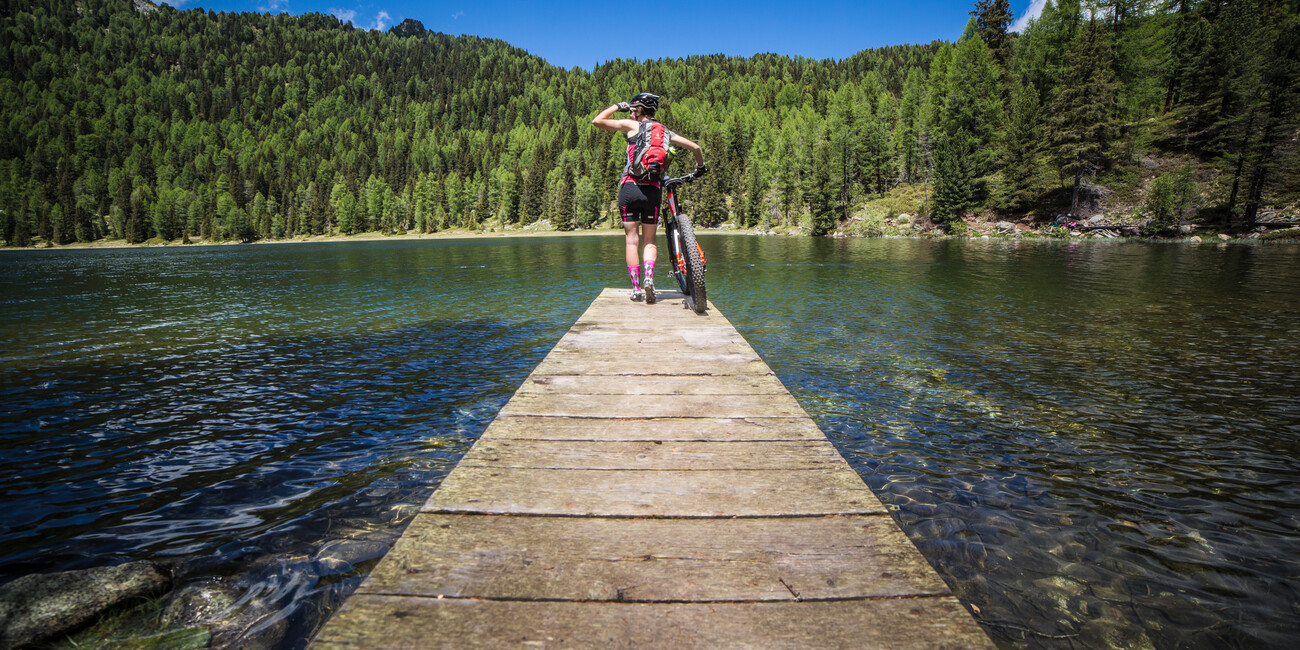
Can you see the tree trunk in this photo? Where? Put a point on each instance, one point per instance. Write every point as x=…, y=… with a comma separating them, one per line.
x=1074, y=197
x=1241, y=160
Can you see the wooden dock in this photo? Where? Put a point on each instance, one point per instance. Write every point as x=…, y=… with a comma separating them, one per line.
x=652, y=485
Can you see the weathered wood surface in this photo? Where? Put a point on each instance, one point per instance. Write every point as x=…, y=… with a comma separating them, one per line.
x=652, y=484
x=379, y=621
x=667, y=493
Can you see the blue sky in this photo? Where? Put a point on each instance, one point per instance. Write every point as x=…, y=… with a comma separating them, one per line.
x=584, y=34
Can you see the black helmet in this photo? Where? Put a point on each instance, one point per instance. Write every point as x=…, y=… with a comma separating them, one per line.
x=646, y=101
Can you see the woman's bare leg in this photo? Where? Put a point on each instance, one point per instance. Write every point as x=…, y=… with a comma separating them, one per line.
x=630, y=255
x=648, y=236
x=633, y=243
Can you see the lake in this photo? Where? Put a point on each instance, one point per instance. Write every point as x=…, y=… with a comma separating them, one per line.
x=1094, y=443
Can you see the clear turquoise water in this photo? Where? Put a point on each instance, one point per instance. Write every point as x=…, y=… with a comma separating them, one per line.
x=1095, y=443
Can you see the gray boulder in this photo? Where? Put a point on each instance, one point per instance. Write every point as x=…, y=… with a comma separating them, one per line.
x=45, y=606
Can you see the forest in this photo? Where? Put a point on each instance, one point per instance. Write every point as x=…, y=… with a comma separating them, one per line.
x=129, y=121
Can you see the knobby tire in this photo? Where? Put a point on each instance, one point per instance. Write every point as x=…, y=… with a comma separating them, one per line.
x=694, y=265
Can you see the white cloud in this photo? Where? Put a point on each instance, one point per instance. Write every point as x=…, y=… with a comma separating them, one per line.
x=345, y=15
x=1034, y=11
x=273, y=5
x=458, y=14
x=381, y=21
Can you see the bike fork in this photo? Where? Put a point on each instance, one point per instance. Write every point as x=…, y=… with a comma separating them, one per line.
x=675, y=255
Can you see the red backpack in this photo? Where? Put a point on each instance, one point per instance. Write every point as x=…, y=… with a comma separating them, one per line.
x=651, y=153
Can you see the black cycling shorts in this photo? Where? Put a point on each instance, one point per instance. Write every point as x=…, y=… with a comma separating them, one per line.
x=638, y=202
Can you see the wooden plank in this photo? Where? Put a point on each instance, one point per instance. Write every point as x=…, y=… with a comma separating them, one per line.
x=652, y=385
x=655, y=560
x=653, y=429
x=681, y=338
x=651, y=406
x=648, y=365
x=678, y=493
x=666, y=346
x=668, y=361
x=657, y=455
x=409, y=622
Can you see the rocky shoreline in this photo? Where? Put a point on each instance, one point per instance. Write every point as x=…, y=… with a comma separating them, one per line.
x=903, y=225
x=147, y=604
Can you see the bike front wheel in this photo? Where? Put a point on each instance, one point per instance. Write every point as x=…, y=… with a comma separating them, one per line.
x=693, y=261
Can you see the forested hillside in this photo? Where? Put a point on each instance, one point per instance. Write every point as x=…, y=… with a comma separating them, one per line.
x=125, y=120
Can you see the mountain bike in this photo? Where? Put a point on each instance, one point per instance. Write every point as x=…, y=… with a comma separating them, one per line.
x=685, y=253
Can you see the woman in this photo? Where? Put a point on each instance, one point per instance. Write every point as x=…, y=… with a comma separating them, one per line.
x=638, y=196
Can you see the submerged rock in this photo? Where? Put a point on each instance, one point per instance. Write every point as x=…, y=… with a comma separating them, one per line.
x=202, y=604
x=39, y=607
x=341, y=556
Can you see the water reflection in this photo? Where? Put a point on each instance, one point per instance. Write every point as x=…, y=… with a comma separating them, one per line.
x=1094, y=443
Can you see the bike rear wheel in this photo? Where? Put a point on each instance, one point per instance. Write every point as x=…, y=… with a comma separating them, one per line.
x=694, y=263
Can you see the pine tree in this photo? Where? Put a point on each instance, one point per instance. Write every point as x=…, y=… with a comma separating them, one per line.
x=343, y=208
x=532, y=197
x=821, y=194
x=848, y=144
x=906, y=141
x=1021, y=147
x=1082, y=110
x=973, y=104
x=992, y=19
x=954, y=176
x=588, y=203
x=751, y=213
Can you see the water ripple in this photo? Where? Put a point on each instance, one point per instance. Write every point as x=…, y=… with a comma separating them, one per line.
x=1093, y=443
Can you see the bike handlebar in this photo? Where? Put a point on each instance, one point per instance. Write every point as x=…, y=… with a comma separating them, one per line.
x=689, y=178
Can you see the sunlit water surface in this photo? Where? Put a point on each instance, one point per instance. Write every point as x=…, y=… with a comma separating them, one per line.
x=1094, y=443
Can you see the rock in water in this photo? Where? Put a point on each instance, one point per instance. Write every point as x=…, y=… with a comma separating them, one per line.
x=202, y=604
x=340, y=556
x=44, y=606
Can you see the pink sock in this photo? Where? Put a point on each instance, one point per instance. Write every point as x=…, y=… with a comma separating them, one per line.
x=635, y=272
x=649, y=270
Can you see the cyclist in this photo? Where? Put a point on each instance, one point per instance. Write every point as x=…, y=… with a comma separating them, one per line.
x=638, y=197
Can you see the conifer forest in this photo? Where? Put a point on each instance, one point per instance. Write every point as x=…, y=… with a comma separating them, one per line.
x=124, y=120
